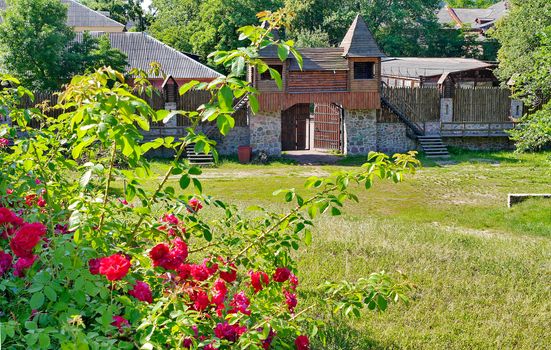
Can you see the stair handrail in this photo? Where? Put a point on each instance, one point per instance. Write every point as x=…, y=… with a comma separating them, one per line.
x=399, y=112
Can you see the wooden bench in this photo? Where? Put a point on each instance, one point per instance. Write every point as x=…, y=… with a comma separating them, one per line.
x=515, y=198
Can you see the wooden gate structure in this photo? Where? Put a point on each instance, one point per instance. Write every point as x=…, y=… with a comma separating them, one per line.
x=295, y=124
x=328, y=127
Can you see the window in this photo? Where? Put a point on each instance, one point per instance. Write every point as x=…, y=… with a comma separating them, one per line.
x=266, y=75
x=363, y=70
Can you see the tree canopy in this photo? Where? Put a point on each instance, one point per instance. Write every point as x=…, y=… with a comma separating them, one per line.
x=401, y=28
x=123, y=11
x=471, y=3
x=40, y=49
x=525, y=61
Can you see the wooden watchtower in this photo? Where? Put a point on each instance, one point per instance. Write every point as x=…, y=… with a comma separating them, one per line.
x=346, y=77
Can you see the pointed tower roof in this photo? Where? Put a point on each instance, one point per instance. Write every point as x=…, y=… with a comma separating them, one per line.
x=359, y=41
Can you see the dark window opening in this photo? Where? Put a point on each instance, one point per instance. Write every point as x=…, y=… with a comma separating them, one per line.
x=266, y=75
x=363, y=70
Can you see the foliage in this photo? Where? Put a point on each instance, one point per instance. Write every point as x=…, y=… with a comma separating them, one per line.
x=123, y=11
x=203, y=26
x=94, y=270
x=525, y=58
x=518, y=35
x=29, y=25
x=311, y=38
x=478, y=4
x=534, y=87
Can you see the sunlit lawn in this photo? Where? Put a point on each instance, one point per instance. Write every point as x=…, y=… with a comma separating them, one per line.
x=482, y=271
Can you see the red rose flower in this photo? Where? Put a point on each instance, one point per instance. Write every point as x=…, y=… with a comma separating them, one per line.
x=294, y=281
x=290, y=300
x=184, y=271
x=93, y=266
x=228, y=331
x=9, y=217
x=219, y=295
x=194, y=205
x=26, y=238
x=259, y=280
x=9, y=191
x=41, y=202
x=114, y=267
x=302, y=343
x=281, y=274
x=29, y=199
x=5, y=262
x=199, y=272
x=142, y=292
x=170, y=218
x=240, y=303
x=158, y=252
x=231, y=275
x=22, y=265
x=120, y=322
x=200, y=301
x=4, y=142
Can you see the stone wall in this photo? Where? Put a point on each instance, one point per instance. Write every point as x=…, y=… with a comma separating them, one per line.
x=480, y=143
x=238, y=136
x=360, y=131
x=392, y=138
x=265, y=133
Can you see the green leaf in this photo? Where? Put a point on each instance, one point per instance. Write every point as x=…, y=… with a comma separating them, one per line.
x=188, y=86
x=198, y=185
x=283, y=52
x=253, y=102
x=307, y=237
x=37, y=300
x=195, y=171
x=225, y=98
x=184, y=181
x=277, y=77
x=85, y=179
x=335, y=211
x=44, y=340
x=77, y=150
x=50, y=293
x=208, y=235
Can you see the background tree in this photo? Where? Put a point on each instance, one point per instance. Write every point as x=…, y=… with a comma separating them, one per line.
x=34, y=38
x=32, y=24
x=123, y=11
x=471, y=3
x=525, y=61
x=205, y=26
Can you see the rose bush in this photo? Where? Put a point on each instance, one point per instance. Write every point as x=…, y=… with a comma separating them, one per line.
x=83, y=268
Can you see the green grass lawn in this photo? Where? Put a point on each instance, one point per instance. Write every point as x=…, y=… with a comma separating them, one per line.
x=482, y=271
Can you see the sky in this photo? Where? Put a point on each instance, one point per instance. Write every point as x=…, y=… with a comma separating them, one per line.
x=146, y=4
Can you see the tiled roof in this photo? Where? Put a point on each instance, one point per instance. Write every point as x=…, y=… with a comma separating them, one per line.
x=143, y=49
x=359, y=41
x=469, y=16
x=416, y=67
x=79, y=15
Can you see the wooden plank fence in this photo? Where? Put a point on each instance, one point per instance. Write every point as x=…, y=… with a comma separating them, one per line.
x=423, y=101
x=481, y=104
x=189, y=102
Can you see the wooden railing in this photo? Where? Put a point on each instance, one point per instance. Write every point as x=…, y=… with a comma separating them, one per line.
x=476, y=129
x=402, y=110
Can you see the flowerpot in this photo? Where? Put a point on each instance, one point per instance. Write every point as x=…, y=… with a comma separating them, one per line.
x=244, y=154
